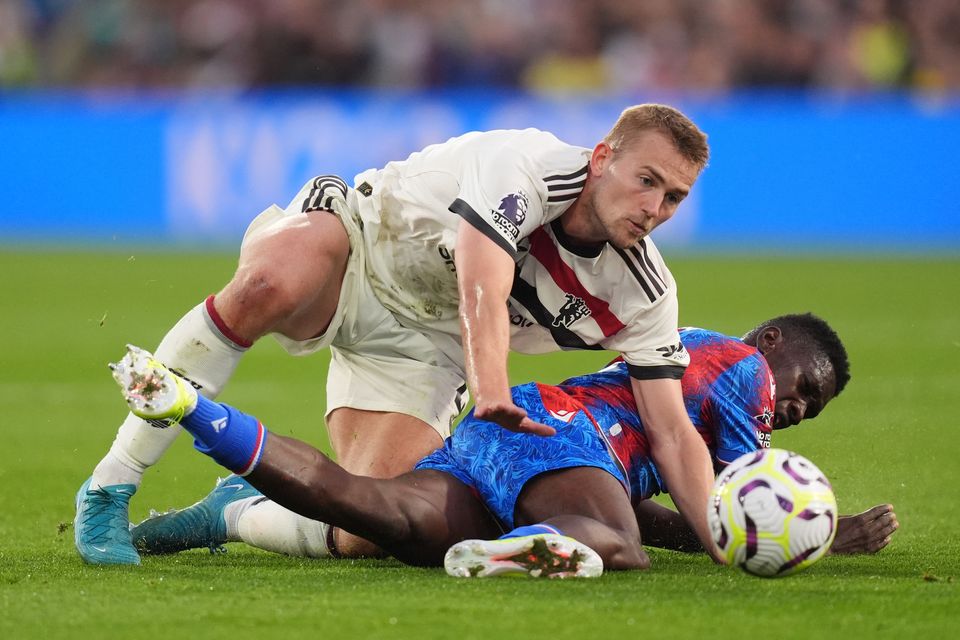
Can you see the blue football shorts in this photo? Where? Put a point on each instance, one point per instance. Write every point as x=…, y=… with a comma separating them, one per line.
x=497, y=463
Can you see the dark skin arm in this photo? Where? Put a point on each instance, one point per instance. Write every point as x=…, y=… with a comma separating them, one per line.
x=866, y=532
x=664, y=528
x=678, y=451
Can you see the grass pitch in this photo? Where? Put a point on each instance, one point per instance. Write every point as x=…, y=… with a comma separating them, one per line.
x=890, y=437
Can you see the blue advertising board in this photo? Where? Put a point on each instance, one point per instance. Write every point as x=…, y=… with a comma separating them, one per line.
x=789, y=172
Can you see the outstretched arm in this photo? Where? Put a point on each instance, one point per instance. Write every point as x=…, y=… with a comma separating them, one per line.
x=485, y=276
x=679, y=453
x=866, y=532
x=664, y=528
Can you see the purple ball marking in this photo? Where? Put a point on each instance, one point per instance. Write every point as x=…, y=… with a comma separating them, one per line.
x=796, y=560
x=751, y=537
x=785, y=504
x=722, y=541
x=788, y=469
x=812, y=514
x=750, y=486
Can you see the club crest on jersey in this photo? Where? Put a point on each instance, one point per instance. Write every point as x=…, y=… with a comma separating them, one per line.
x=511, y=213
x=766, y=417
x=571, y=311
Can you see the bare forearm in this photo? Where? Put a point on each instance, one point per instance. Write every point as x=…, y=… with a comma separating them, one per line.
x=665, y=528
x=678, y=451
x=685, y=466
x=484, y=278
x=486, y=341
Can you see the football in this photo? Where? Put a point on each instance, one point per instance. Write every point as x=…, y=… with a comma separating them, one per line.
x=772, y=513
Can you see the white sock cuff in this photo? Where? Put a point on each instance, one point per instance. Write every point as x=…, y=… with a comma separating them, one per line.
x=266, y=525
x=197, y=349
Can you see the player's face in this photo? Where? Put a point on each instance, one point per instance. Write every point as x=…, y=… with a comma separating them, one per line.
x=638, y=188
x=804, y=387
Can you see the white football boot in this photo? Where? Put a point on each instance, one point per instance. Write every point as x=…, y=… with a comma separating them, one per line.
x=543, y=555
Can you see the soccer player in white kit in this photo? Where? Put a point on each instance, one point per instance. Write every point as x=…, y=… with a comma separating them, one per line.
x=419, y=279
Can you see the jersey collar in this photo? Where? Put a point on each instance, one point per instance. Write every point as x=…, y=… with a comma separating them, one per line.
x=571, y=245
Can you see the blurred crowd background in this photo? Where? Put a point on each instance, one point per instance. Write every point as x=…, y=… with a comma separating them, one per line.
x=537, y=45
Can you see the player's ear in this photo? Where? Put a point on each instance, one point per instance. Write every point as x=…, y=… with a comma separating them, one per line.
x=600, y=158
x=769, y=338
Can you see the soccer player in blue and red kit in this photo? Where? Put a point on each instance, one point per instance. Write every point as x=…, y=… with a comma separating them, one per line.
x=570, y=504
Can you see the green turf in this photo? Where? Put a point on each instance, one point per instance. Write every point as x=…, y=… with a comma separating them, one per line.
x=890, y=437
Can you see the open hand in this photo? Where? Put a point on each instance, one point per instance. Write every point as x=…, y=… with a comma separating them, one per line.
x=866, y=532
x=511, y=417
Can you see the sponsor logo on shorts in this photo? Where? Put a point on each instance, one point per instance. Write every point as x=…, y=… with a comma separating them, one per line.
x=323, y=191
x=673, y=351
x=447, y=256
x=571, y=311
x=511, y=213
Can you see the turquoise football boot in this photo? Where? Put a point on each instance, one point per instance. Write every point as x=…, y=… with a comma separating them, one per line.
x=101, y=529
x=194, y=527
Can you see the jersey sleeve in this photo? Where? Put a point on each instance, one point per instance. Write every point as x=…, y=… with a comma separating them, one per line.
x=650, y=342
x=741, y=407
x=499, y=197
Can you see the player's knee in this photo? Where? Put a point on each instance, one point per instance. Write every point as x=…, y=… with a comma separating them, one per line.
x=262, y=288
x=351, y=546
x=625, y=555
x=258, y=298
x=285, y=269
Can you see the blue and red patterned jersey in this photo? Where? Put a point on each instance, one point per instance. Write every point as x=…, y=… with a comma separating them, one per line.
x=729, y=394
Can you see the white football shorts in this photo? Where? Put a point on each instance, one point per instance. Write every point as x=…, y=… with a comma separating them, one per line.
x=376, y=363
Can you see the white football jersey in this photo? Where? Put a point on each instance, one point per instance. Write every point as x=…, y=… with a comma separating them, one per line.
x=513, y=186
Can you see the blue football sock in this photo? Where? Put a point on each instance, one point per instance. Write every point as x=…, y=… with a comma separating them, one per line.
x=531, y=530
x=229, y=436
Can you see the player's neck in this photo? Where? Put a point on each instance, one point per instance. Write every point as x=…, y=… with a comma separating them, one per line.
x=579, y=224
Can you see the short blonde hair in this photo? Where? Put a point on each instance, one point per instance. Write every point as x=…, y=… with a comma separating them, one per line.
x=690, y=140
